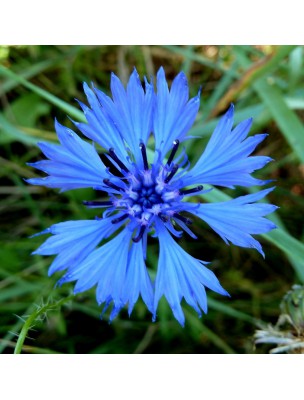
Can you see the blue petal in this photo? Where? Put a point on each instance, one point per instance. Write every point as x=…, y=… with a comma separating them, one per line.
x=73, y=241
x=105, y=267
x=225, y=161
x=130, y=110
x=141, y=106
x=73, y=164
x=181, y=276
x=174, y=115
x=236, y=220
x=100, y=127
x=137, y=281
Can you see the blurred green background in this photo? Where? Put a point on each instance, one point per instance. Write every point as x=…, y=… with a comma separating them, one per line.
x=39, y=83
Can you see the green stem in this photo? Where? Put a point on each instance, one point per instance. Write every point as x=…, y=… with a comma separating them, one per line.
x=31, y=319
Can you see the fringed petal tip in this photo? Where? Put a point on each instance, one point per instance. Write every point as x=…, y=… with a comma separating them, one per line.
x=227, y=159
x=86, y=87
x=30, y=164
x=230, y=110
x=179, y=319
x=131, y=308
x=224, y=292
x=50, y=273
x=199, y=92
x=30, y=180
x=60, y=282
x=178, y=314
x=59, y=126
x=44, y=232
x=114, y=312
x=265, y=182
x=78, y=290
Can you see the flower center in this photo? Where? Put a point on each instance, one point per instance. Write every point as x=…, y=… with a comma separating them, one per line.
x=147, y=197
x=146, y=193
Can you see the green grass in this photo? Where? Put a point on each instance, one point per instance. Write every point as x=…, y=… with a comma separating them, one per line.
x=38, y=83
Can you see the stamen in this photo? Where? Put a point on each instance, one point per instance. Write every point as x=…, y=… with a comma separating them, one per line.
x=172, y=173
x=119, y=219
x=98, y=203
x=173, y=152
x=187, y=221
x=112, y=185
x=163, y=217
x=117, y=160
x=140, y=235
x=193, y=190
x=144, y=155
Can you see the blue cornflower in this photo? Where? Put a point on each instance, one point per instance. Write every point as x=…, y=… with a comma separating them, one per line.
x=148, y=195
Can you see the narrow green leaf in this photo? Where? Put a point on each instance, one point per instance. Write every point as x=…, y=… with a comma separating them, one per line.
x=295, y=103
x=10, y=133
x=290, y=246
x=198, y=330
x=289, y=123
x=287, y=120
x=295, y=67
x=258, y=112
x=232, y=312
x=70, y=110
x=189, y=54
x=186, y=66
x=29, y=73
x=219, y=91
x=281, y=52
x=38, y=67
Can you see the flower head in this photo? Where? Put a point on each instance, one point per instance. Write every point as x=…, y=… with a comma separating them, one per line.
x=148, y=194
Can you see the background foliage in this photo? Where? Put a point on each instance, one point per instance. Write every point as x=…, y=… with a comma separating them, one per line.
x=39, y=83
